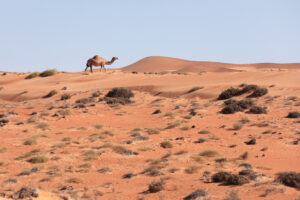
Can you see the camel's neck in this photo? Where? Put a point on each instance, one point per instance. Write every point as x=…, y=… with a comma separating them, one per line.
x=110, y=62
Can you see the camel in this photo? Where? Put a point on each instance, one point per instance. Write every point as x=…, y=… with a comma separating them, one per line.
x=99, y=61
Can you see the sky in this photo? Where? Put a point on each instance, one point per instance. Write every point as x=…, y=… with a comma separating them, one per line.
x=36, y=35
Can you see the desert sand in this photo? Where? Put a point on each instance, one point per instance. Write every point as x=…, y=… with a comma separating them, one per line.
x=95, y=150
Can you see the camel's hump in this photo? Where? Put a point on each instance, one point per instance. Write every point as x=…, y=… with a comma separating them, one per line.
x=98, y=58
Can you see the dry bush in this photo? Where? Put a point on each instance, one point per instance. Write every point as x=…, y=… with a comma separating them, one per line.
x=257, y=110
x=293, y=115
x=32, y=75
x=120, y=92
x=195, y=89
x=65, y=97
x=237, y=126
x=166, y=144
x=30, y=141
x=209, y=153
x=152, y=131
x=192, y=169
x=51, y=93
x=173, y=124
x=258, y=92
x=197, y=195
x=291, y=179
x=156, y=186
x=204, y=131
x=49, y=72
x=232, y=106
x=38, y=159
x=229, y=179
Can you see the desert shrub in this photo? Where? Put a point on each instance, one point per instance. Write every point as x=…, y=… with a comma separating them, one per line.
x=85, y=100
x=65, y=97
x=74, y=180
x=173, y=124
x=259, y=92
x=293, y=115
x=232, y=106
x=43, y=126
x=156, y=186
x=51, y=93
x=38, y=159
x=209, y=153
x=227, y=94
x=49, y=72
x=198, y=194
x=229, y=179
x=64, y=111
x=220, y=176
x=122, y=150
x=248, y=88
x=32, y=75
x=166, y=144
x=233, y=195
x=96, y=94
x=237, y=126
x=153, y=130
x=195, y=89
x=120, y=92
x=192, y=169
x=257, y=110
x=2, y=149
x=204, y=131
x=291, y=179
x=30, y=141
x=120, y=100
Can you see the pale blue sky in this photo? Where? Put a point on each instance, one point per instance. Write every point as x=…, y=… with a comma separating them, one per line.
x=42, y=34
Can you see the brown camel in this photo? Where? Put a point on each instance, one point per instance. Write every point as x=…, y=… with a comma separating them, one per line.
x=99, y=61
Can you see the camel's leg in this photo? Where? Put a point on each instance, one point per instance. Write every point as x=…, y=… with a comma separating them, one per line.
x=86, y=68
x=91, y=68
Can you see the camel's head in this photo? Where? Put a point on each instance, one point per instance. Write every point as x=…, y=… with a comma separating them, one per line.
x=115, y=58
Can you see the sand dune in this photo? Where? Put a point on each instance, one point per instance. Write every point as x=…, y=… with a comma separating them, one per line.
x=94, y=150
x=166, y=64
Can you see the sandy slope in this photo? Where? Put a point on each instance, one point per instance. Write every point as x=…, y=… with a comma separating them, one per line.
x=166, y=64
x=74, y=140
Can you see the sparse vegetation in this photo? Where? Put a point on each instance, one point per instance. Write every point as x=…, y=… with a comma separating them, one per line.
x=232, y=106
x=293, y=115
x=257, y=110
x=2, y=149
x=195, y=89
x=166, y=144
x=152, y=131
x=192, y=169
x=51, y=93
x=258, y=92
x=30, y=141
x=291, y=179
x=204, y=131
x=209, y=153
x=32, y=75
x=49, y=72
x=237, y=126
x=173, y=124
x=197, y=195
x=156, y=186
x=38, y=159
x=229, y=179
x=65, y=97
